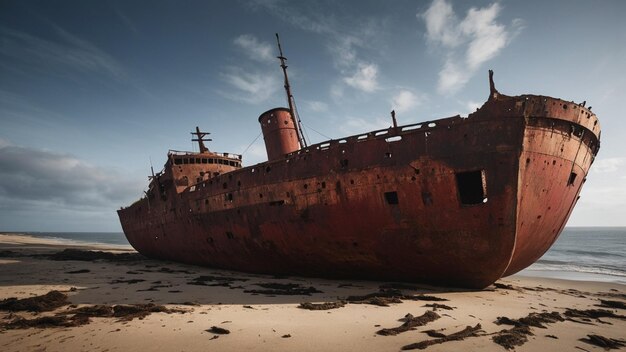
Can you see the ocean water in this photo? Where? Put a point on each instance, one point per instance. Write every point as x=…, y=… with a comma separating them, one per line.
x=580, y=253
x=585, y=253
x=115, y=238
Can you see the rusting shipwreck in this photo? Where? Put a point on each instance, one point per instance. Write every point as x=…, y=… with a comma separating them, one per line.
x=456, y=201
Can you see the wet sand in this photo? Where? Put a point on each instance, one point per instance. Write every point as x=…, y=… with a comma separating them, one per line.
x=128, y=303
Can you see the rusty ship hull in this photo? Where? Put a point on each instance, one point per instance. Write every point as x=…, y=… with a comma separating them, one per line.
x=456, y=201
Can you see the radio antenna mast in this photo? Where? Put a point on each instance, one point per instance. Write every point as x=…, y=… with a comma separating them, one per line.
x=290, y=99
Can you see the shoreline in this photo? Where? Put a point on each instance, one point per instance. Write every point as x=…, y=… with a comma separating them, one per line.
x=262, y=312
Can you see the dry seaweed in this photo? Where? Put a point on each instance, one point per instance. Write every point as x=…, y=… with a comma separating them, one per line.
x=457, y=336
x=612, y=304
x=81, y=271
x=82, y=315
x=410, y=322
x=288, y=289
x=505, y=286
x=510, y=338
x=532, y=319
x=592, y=314
x=436, y=306
x=129, y=281
x=218, y=330
x=210, y=280
x=88, y=256
x=384, y=297
x=517, y=335
x=9, y=254
x=46, y=322
x=322, y=306
x=604, y=342
x=47, y=302
x=399, y=286
x=171, y=271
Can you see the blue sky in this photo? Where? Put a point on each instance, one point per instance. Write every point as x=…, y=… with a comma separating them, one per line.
x=91, y=91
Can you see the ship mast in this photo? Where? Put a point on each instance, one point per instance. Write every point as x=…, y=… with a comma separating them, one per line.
x=200, y=139
x=290, y=99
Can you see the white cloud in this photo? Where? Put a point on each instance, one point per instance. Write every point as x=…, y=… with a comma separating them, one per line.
x=255, y=49
x=471, y=106
x=467, y=44
x=356, y=125
x=317, y=106
x=405, y=100
x=365, y=78
x=250, y=87
x=438, y=18
x=607, y=165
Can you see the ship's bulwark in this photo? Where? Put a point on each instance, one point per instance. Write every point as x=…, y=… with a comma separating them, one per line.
x=457, y=201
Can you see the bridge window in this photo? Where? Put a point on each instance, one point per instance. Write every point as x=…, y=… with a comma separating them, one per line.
x=391, y=197
x=472, y=187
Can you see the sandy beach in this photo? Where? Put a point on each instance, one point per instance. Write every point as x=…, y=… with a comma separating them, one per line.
x=120, y=301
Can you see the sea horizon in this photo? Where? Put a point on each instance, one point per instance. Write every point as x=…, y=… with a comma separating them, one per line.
x=581, y=253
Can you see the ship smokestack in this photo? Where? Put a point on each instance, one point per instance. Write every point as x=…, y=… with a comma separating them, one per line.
x=279, y=132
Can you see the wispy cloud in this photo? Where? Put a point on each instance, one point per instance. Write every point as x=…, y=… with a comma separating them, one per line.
x=65, y=55
x=347, y=37
x=317, y=106
x=465, y=44
x=255, y=49
x=607, y=165
x=249, y=86
x=405, y=100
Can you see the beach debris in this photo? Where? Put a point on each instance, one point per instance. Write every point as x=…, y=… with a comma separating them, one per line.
x=171, y=271
x=81, y=271
x=155, y=288
x=218, y=330
x=286, y=336
x=612, y=304
x=322, y=306
x=517, y=336
x=469, y=331
x=9, y=254
x=436, y=306
x=124, y=312
x=510, y=338
x=81, y=316
x=88, y=256
x=288, y=289
x=129, y=281
x=604, y=342
x=592, y=314
x=211, y=280
x=410, y=322
x=50, y=301
x=45, y=322
x=384, y=297
x=532, y=319
x=507, y=287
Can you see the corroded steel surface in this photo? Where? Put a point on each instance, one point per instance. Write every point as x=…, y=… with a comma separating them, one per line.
x=457, y=201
